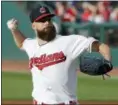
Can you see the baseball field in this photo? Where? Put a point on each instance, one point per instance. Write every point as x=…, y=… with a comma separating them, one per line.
x=91, y=90
x=16, y=78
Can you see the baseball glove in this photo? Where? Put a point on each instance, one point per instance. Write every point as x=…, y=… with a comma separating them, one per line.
x=94, y=65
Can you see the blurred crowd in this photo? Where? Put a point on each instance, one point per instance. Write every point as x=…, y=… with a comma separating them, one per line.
x=77, y=11
x=81, y=12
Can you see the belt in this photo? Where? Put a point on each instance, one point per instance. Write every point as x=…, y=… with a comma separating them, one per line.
x=70, y=103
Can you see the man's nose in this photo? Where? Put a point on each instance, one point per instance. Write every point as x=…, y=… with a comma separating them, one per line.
x=47, y=22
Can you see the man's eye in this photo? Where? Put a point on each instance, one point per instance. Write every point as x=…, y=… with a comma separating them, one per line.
x=44, y=20
x=49, y=19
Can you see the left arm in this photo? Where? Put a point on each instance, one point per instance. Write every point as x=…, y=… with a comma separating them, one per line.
x=102, y=49
x=93, y=65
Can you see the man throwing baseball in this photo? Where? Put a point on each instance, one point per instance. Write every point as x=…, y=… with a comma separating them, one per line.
x=53, y=59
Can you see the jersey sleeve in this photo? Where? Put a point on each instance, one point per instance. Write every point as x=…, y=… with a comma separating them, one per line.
x=81, y=44
x=27, y=46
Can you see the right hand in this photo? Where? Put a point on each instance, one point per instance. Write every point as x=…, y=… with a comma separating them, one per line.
x=12, y=24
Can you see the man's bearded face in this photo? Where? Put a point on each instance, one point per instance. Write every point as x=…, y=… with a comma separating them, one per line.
x=45, y=29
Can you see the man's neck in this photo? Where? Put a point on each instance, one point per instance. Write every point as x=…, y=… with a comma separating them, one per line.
x=41, y=42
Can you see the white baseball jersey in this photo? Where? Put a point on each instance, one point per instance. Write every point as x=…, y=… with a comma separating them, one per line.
x=54, y=65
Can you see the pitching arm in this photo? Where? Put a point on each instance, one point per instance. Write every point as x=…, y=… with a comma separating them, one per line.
x=17, y=34
x=18, y=37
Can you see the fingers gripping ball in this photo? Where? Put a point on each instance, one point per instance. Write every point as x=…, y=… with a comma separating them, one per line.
x=93, y=65
x=12, y=24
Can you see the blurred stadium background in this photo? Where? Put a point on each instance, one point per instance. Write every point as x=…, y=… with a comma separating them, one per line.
x=92, y=18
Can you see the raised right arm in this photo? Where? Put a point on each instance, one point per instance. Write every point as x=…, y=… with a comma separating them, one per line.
x=17, y=34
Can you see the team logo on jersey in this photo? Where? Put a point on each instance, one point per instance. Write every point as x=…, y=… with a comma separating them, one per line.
x=47, y=60
x=42, y=10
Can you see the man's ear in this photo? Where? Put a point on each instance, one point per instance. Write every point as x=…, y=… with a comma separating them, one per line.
x=33, y=26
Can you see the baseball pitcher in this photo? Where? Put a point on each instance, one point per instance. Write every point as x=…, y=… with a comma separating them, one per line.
x=53, y=59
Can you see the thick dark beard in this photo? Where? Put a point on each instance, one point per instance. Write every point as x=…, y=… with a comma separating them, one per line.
x=47, y=34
